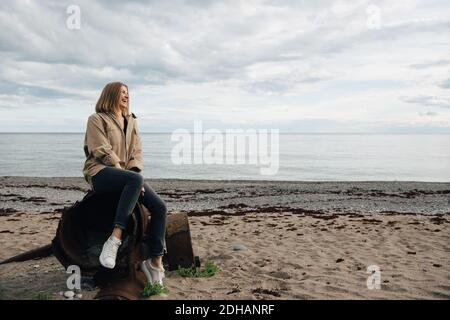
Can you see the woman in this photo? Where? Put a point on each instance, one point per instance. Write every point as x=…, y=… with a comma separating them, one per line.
x=113, y=152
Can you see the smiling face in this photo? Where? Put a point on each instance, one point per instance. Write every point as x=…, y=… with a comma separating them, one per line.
x=114, y=99
x=123, y=98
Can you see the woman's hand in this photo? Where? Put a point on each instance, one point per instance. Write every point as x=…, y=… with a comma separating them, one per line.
x=142, y=191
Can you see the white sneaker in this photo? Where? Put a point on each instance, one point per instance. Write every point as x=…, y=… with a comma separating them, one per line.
x=153, y=274
x=109, y=252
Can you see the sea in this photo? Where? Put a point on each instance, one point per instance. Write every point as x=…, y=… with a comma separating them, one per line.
x=293, y=157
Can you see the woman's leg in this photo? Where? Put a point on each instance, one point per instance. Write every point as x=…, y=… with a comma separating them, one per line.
x=157, y=227
x=130, y=184
x=112, y=179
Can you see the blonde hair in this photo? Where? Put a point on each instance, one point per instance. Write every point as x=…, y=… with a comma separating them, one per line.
x=109, y=101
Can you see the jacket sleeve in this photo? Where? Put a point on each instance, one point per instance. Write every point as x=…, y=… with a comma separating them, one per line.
x=136, y=162
x=97, y=142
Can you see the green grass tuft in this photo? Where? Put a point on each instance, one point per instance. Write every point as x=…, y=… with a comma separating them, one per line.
x=208, y=271
x=154, y=289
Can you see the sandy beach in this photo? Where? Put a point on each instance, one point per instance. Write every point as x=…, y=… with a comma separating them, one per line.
x=295, y=240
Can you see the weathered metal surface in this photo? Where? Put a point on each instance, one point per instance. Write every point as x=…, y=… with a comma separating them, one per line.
x=177, y=222
x=40, y=252
x=85, y=226
x=122, y=284
x=128, y=288
x=179, y=242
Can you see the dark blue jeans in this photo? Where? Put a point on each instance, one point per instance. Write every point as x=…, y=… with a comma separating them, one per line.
x=111, y=179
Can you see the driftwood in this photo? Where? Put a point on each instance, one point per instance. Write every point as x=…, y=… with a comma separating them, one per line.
x=85, y=226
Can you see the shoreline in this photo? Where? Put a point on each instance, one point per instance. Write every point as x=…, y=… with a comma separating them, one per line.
x=245, y=180
x=19, y=193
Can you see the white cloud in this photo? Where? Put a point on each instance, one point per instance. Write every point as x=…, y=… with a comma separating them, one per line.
x=430, y=101
x=236, y=63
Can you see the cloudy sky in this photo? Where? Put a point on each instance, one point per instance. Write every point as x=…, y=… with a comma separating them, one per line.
x=300, y=66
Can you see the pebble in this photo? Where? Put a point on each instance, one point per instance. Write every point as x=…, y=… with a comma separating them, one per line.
x=69, y=294
x=239, y=247
x=79, y=296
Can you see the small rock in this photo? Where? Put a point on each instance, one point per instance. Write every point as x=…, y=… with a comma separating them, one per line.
x=69, y=294
x=36, y=266
x=239, y=247
x=339, y=260
x=79, y=296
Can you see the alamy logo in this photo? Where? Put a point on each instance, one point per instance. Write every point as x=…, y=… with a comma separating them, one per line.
x=74, y=280
x=73, y=21
x=215, y=147
x=374, y=280
x=373, y=21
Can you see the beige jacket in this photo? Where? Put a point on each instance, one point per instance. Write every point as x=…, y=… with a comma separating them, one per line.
x=105, y=145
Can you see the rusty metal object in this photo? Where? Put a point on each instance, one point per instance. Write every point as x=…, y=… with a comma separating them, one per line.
x=127, y=288
x=85, y=226
x=179, y=242
x=129, y=283
x=122, y=284
x=79, y=240
x=37, y=253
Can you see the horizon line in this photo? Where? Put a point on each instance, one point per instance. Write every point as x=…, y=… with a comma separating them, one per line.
x=286, y=132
